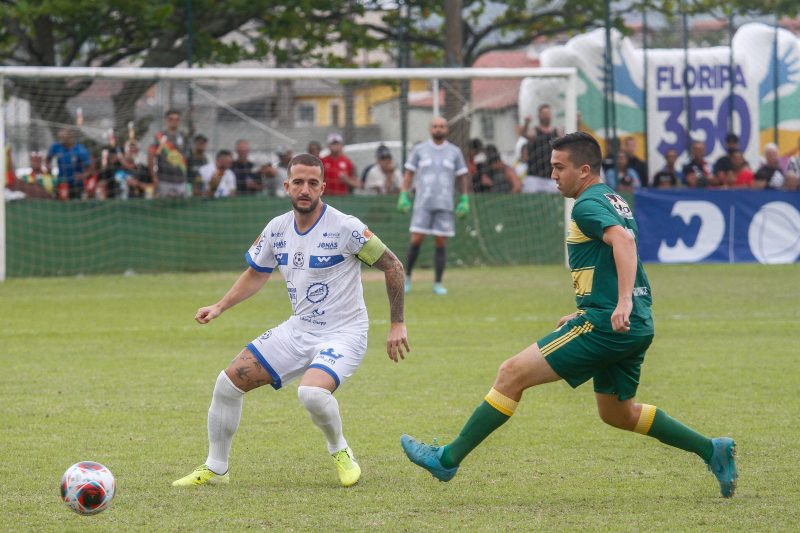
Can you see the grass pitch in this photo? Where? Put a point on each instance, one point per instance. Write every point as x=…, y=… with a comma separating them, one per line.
x=114, y=369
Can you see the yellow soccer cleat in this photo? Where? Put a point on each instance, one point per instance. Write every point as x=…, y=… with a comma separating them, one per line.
x=347, y=467
x=202, y=475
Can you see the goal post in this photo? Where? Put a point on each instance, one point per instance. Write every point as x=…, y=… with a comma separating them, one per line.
x=273, y=109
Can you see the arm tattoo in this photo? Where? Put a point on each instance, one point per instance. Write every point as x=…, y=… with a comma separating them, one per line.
x=395, y=280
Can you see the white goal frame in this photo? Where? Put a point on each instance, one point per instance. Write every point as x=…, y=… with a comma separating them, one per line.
x=157, y=74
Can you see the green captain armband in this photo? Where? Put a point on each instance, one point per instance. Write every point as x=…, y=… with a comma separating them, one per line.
x=372, y=250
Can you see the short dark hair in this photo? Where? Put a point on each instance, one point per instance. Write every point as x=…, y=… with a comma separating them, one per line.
x=307, y=160
x=492, y=153
x=583, y=149
x=200, y=138
x=223, y=153
x=172, y=111
x=731, y=138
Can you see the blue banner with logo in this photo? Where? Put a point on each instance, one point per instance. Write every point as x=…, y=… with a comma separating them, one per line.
x=690, y=226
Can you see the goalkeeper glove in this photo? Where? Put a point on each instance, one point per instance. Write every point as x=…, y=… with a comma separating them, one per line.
x=462, y=209
x=403, y=203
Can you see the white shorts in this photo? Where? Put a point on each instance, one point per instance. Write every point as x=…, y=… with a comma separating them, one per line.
x=438, y=222
x=286, y=352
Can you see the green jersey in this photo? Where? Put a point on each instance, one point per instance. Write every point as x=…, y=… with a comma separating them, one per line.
x=591, y=261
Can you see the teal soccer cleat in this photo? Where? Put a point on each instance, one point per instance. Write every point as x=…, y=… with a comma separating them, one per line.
x=723, y=465
x=428, y=457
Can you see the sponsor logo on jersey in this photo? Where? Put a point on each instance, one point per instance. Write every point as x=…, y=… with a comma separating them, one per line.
x=330, y=355
x=620, y=205
x=325, y=261
x=279, y=244
x=282, y=259
x=266, y=335
x=312, y=318
x=361, y=239
x=328, y=245
x=331, y=234
x=640, y=291
x=292, y=291
x=259, y=244
x=298, y=260
x=276, y=234
x=367, y=234
x=317, y=292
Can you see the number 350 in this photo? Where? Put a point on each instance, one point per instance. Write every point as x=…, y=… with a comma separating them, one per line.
x=699, y=108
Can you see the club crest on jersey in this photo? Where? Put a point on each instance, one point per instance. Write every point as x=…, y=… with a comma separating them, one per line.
x=317, y=292
x=298, y=259
x=330, y=353
x=620, y=205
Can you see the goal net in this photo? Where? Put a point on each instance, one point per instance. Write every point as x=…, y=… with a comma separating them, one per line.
x=79, y=197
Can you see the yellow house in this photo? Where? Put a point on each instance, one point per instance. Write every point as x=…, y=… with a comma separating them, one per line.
x=328, y=109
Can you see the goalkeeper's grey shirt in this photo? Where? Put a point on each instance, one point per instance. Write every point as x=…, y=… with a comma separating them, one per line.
x=435, y=168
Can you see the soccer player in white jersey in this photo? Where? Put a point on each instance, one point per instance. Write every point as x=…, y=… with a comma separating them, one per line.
x=319, y=252
x=434, y=167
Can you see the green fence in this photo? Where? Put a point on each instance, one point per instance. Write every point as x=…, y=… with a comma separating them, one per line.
x=48, y=238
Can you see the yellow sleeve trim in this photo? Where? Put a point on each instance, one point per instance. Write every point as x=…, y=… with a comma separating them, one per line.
x=372, y=250
x=645, y=419
x=501, y=402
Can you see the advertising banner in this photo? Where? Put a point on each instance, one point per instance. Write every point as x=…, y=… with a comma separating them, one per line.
x=701, y=94
x=682, y=226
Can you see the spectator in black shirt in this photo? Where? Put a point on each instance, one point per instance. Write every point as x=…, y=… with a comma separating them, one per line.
x=723, y=167
x=247, y=179
x=696, y=172
x=668, y=177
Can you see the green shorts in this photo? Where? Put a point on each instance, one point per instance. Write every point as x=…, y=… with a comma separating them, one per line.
x=578, y=351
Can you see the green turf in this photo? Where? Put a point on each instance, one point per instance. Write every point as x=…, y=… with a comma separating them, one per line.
x=113, y=369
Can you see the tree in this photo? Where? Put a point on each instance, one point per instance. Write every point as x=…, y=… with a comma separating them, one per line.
x=105, y=33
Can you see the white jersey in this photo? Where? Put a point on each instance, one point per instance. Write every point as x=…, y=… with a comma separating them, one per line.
x=435, y=168
x=322, y=272
x=227, y=184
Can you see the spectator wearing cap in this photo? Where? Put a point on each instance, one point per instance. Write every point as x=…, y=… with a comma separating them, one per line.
x=498, y=177
x=340, y=173
x=383, y=177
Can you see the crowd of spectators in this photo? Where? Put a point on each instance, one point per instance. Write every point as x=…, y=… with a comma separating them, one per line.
x=176, y=167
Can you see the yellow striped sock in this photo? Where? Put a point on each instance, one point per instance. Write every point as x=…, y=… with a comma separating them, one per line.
x=501, y=402
x=645, y=419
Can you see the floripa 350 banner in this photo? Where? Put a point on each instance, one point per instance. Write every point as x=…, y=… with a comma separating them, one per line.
x=729, y=89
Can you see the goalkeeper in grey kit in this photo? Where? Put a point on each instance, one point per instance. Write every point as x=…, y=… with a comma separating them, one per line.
x=434, y=166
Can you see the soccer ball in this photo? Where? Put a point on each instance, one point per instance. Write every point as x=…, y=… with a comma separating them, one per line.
x=88, y=487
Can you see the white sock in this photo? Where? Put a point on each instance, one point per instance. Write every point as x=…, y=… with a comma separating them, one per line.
x=223, y=420
x=324, y=411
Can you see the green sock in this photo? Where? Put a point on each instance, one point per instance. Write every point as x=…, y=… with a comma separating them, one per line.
x=673, y=433
x=484, y=420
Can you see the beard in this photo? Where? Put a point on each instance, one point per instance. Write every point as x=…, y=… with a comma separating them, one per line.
x=439, y=136
x=310, y=209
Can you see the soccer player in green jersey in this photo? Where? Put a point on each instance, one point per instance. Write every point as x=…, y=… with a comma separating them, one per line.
x=605, y=339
